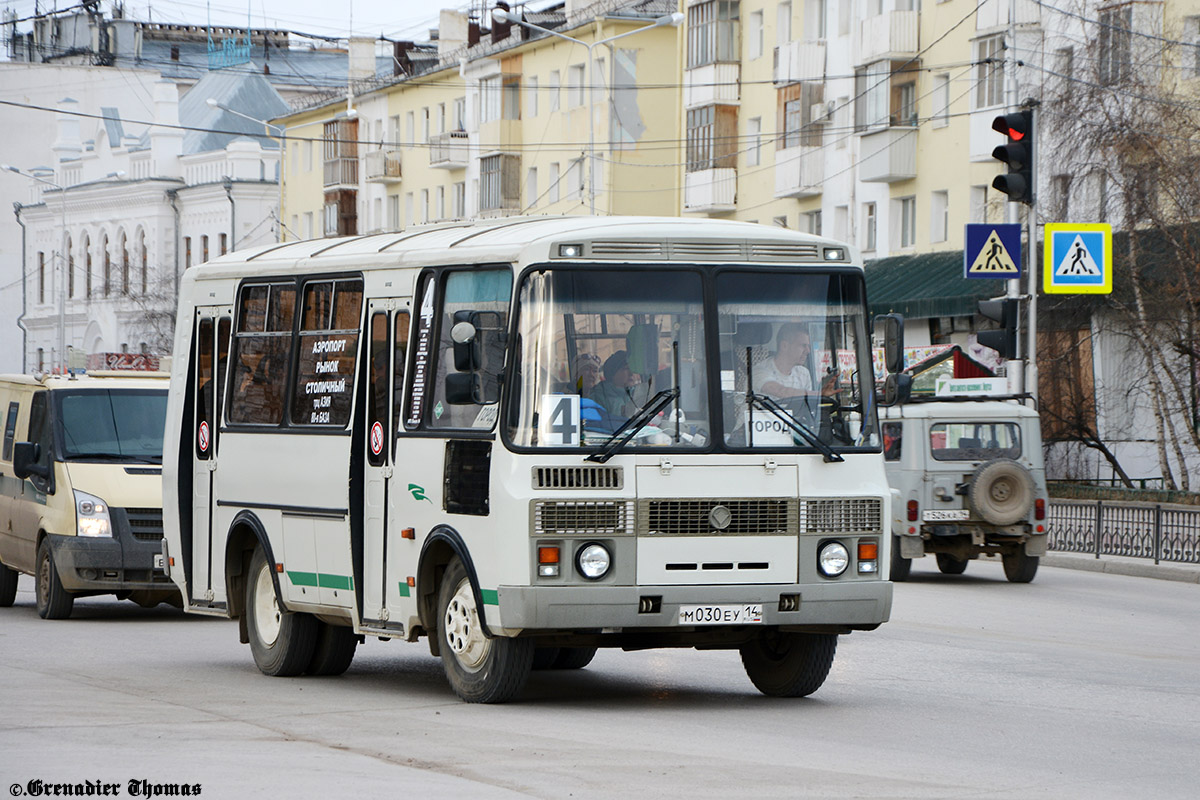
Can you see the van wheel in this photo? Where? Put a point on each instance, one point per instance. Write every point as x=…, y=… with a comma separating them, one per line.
x=479, y=669
x=574, y=657
x=901, y=567
x=8, y=586
x=282, y=642
x=334, y=650
x=789, y=664
x=1018, y=567
x=949, y=565
x=53, y=601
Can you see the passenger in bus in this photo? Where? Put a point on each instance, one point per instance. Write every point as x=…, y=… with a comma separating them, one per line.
x=786, y=373
x=621, y=392
x=586, y=373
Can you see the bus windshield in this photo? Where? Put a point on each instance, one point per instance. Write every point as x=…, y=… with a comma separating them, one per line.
x=125, y=425
x=596, y=347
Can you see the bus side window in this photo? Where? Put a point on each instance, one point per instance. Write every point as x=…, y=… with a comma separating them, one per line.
x=325, y=360
x=10, y=430
x=205, y=388
x=260, y=353
x=377, y=410
x=399, y=359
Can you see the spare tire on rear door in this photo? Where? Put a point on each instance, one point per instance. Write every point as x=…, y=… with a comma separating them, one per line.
x=1002, y=492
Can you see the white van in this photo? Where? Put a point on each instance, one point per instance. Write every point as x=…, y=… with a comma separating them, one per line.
x=81, y=487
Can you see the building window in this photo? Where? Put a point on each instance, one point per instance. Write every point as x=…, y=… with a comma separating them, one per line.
x=871, y=95
x=439, y=203
x=754, y=35
x=511, y=97
x=814, y=20
x=489, y=99
x=393, y=212
x=87, y=266
x=712, y=138
x=410, y=128
x=575, y=179
x=1115, y=38
x=145, y=262
x=783, y=24
x=204, y=249
x=713, y=33
x=906, y=113
x=308, y=151
x=1061, y=185
x=841, y=223
x=979, y=201
x=869, y=226
x=555, y=90
x=107, y=266
x=409, y=210
x=754, y=134
x=498, y=182
x=989, y=72
x=459, y=199
x=70, y=269
x=533, y=96
x=187, y=257
x=780, y=221
x=124, y=266
x=908, y=221
x=812, y=222
x=941, y=100
x=555, y=175
x=41, y=259
x=939, y=211
x=341, y=153
x=224, y=243
x=531, y=192
x=575, y=80
x=801, y=111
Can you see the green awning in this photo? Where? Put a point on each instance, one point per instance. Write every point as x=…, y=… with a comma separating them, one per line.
x=926, y=285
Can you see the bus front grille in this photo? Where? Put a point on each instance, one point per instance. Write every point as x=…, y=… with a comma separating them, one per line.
x=717, y=516
x=841, y=515
x=598, y=477
x=145, y=523
x=582, y=517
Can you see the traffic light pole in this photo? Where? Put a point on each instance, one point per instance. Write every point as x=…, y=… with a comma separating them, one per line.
x=1032, y=271
x=1012, y=368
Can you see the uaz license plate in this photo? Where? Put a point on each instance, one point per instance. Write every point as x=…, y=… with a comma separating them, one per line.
x=746, y=614
x=948, y=515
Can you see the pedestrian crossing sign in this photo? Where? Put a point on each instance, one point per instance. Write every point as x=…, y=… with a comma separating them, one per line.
x=1078, y=259
x=992, y=251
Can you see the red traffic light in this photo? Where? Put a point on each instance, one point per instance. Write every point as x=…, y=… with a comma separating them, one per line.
x=1014, y=125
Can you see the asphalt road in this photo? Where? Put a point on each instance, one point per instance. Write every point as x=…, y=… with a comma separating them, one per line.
x=1079, y=685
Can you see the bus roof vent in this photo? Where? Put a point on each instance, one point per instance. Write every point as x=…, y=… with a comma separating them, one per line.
x=780, y=251
x=618, y=249
x=709, y=251
x=578, y=478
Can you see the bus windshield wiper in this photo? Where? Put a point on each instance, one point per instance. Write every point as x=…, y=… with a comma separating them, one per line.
x=624, y=434
x=769, y=405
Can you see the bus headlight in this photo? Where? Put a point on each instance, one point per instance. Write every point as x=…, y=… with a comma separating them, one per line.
x=833, y=559
x=91, y=515
x=593, y=561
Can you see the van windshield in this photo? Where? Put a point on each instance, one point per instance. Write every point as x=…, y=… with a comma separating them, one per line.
x=116, y=425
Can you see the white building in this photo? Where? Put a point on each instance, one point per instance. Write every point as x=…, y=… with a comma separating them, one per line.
x=126, y=207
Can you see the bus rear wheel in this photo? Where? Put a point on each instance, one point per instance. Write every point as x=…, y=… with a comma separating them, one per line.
x=334, y=649
x=480, y=669
x=783, y=664
x=282, y=641
x=53, y=601
x=574, y=657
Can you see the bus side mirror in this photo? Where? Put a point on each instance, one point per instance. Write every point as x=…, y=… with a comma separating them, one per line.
x=25, y=458
x=893, y=342
x=896, y=389
x=467, y=388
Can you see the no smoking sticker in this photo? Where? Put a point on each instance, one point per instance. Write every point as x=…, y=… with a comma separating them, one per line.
x=202, y=436
x=376, y=439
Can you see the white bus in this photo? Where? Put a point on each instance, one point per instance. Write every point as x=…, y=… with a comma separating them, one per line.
x=529, y=438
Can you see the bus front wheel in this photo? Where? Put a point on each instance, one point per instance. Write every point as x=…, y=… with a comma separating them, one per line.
x=781, y=664
x=480, y=669
x=282, y=641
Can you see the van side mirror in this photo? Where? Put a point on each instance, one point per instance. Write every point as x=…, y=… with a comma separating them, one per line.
x=893, y=342
x=896, y=389
x=25, y=460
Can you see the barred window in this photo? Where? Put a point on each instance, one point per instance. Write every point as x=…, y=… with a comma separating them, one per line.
x=712, y=138
x=713, y=33
x=499, y=182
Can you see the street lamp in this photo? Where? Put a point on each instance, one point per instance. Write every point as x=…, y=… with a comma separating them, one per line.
x=668, y=20
x=64, y=258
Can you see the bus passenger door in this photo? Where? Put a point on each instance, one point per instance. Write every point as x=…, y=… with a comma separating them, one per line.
x=387, y=337
x=209, y=367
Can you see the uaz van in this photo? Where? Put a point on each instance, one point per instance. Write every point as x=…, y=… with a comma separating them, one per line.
x=81, y=488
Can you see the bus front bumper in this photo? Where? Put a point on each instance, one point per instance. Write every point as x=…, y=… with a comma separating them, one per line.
x=849, y=605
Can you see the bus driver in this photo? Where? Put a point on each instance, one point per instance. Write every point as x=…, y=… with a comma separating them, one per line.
x=786, y=373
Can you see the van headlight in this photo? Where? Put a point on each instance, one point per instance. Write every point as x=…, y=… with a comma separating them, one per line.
x=91, y=515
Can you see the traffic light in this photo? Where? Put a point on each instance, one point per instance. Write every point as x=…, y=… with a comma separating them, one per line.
x=1005, y=311
x=1018, y=153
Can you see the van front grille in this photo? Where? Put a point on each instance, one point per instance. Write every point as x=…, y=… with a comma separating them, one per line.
x=717, y=517
x=145, y=523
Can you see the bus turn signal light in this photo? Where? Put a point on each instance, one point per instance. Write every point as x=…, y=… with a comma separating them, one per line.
x=868, y=556
x=548, y=556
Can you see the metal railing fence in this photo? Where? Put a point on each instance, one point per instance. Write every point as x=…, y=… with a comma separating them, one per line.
x=1157, y=531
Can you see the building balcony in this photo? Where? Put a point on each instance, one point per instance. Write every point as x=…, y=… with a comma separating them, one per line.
x=710, y=190
x=799, y=172
x=448, y=150
x=382, y=166
x=712, y=84
x=893, y=35
x=799, y=61
x=341, y=173
x=888, y=155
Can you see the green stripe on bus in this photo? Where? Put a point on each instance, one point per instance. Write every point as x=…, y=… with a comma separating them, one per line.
x=491, y=597
x=404, y=590
x=320, y=580
x=302, y=578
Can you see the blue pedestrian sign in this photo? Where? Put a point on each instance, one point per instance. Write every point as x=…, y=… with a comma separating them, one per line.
x=1078, y=259
x=992, y=251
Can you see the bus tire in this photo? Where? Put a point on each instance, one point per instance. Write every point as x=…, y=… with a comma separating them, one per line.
x=8, y=586
x=544, y=657
x=949, y=565
x=282, y=642
x=1019, y=567
x=334, y=650
x=901, y=567
x=53, y=601
x=574, y=657
x=480, y=669
x=782, y=664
